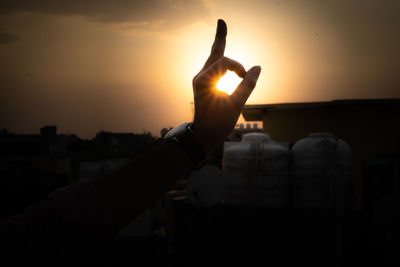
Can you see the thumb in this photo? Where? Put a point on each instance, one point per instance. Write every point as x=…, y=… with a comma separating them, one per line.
x=245, y=88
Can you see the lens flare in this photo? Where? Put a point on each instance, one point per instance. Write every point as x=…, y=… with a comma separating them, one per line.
x=228, y=82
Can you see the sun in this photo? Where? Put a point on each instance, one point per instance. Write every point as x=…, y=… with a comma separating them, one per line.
x=228, y=82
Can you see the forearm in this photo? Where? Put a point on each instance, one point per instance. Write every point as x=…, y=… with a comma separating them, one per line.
x=129, y=189
x=70, y=220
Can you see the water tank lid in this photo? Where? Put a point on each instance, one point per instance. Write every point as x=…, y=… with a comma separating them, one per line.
x=256, y=137
x=323, y=135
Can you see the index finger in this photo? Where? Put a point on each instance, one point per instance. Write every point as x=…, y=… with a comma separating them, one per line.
x=219, y=68
x=218, y=48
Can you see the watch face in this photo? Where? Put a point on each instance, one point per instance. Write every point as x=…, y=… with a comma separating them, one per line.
x=176, y=130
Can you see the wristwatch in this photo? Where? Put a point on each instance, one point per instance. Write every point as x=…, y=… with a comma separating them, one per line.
x=184, y=136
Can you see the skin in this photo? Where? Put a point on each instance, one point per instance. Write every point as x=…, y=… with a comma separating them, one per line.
x=216, y=112
x=130, y=189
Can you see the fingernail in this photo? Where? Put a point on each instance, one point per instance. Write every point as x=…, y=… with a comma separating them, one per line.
x=221, y=28
x=255, y=71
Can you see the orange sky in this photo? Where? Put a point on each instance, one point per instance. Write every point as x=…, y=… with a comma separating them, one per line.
x=127, y=66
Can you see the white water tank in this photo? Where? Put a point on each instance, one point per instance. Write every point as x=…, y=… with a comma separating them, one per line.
x=321, y=173
x=256, y=172
x=256, y=137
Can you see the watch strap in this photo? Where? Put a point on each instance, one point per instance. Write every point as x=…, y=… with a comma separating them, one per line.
x=186, y=138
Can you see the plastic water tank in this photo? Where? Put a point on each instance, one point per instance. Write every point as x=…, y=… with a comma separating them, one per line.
x=256, y=172
x=321, y=173
x=256, y=137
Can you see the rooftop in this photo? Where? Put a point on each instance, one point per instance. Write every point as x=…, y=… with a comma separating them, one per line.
x=255, y=112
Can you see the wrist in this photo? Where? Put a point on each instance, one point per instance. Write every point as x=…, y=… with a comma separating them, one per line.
x=207, y=138
x=204, y=142
x=186, y=136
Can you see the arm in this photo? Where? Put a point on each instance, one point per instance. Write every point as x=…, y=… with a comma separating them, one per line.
x=128, y=190
x=95, y=208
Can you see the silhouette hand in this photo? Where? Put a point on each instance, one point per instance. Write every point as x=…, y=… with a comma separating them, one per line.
x=216, y=112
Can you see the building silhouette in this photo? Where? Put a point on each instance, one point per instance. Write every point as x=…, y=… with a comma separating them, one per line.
x=369, y=126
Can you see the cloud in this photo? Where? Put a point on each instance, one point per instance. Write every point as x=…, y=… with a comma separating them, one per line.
x=7, y=38
x=142, y=13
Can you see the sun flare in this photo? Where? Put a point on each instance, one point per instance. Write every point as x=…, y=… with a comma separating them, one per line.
x=228, y=82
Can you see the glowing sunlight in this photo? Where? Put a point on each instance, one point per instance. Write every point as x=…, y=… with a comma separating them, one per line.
x=228, y=82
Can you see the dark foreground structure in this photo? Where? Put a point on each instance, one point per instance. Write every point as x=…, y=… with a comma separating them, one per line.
x=367, y=233
x=175, y=232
